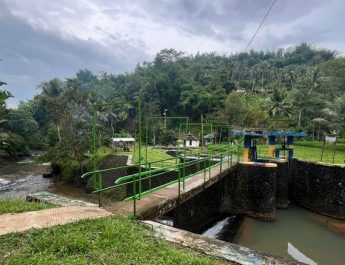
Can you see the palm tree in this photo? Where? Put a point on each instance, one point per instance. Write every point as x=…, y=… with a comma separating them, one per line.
x=279, y=105
x=310, y=83
x=335, y=113
x=290, y=75
x=263, y=69
x=254, y=72
x=112, y=113
x=52, y=95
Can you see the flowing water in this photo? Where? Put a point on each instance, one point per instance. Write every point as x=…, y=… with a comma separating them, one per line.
x=298, y=234
x=215, y=230
x=20, y=178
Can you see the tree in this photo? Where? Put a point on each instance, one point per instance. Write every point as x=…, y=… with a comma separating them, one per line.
x=235, y=109
x=4, y=95
x=279, y=105
x=335, y=114
x=290, y=75
x=52, y=97
x=263, y=69
x=22, y=123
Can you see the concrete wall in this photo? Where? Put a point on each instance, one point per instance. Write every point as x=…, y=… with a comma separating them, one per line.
x=250, y=190
x=246, y=189
x=198, y=212
x=318, y=187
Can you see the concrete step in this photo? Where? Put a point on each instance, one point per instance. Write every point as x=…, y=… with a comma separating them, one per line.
x=58, y=200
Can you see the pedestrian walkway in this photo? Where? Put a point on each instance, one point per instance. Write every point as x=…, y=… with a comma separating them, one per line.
x=165, y=199
x=19, y=222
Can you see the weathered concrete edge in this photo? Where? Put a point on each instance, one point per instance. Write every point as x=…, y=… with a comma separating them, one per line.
x=216, y=248
x=57, y=200
x=320, y=163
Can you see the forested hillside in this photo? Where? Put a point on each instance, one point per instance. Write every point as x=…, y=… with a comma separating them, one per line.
x=300, y=88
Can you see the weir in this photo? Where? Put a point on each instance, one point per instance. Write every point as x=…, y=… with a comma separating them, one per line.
x=201, y=190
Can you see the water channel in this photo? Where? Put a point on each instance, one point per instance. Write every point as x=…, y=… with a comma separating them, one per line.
x=296, y=234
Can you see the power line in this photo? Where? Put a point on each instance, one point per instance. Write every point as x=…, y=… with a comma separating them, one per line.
x=262, y=22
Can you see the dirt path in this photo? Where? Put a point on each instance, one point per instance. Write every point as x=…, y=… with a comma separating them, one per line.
x=20, y=222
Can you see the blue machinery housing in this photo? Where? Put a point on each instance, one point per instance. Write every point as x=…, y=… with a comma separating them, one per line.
x=250, y=151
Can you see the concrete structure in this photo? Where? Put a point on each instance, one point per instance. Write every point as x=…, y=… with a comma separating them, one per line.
x=234, y=254
x=319, y=187
x=58, y=200
x=20, y=222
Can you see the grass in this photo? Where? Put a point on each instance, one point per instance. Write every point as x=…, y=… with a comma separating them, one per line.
x=18, y=206
x=152, y=154
x=311, y=150
x=110, y=240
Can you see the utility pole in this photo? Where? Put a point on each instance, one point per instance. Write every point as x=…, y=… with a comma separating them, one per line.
x=202, y=132
x=165, y=118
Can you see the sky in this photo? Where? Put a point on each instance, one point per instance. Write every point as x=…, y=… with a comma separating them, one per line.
x=44, y=39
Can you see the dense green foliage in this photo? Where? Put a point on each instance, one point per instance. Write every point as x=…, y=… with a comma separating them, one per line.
x=111, y=240
x=300, y=88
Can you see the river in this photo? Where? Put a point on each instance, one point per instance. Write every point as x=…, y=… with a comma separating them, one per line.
x=18, y=178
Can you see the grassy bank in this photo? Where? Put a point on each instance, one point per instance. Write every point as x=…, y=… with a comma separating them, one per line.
x=18, y=206
x=111, y=240
x=311, y=150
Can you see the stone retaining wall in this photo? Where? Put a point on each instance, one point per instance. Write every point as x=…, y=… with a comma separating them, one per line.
x=319, y=187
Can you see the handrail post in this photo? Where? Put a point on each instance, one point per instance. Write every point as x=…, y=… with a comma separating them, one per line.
x=100, y=187
x=150, y=183
x=179, y=180
x=209, y=164
x=231, y=159
x=183, y=174
x=221, y=162
x=198, y=162
x=205, y=166
x=238, y=153
x=134, y=195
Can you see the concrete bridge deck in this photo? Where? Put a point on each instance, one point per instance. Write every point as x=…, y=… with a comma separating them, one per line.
x=163, y=200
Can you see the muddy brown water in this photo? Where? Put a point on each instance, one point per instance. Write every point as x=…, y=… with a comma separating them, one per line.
x=297, y=234
x=18, y=178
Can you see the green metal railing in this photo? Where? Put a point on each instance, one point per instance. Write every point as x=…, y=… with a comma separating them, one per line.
x=203, y=162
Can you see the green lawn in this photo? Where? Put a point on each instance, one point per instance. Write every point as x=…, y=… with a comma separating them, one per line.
x=152, y=155
x=18, y=206
x=111, y=240
x=311, y=150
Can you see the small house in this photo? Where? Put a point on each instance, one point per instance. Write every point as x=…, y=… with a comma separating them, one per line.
x=190, y=141
x=124, y=143
x=209, y=139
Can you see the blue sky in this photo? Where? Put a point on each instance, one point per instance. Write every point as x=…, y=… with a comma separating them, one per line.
x=43, y=39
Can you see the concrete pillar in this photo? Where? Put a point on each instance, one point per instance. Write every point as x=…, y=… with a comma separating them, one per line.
x=271, y=145
x=247, y=145
x=251, y=190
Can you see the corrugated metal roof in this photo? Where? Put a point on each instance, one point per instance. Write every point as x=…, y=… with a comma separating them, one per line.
x=123, y=140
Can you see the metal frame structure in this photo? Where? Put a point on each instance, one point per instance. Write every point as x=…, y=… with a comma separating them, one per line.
x=212, y=159
x=94, y=122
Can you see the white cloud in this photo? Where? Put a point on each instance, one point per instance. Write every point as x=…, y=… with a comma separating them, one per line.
x=46, y=39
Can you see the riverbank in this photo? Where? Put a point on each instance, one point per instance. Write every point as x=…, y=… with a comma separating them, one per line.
x=19, y=206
